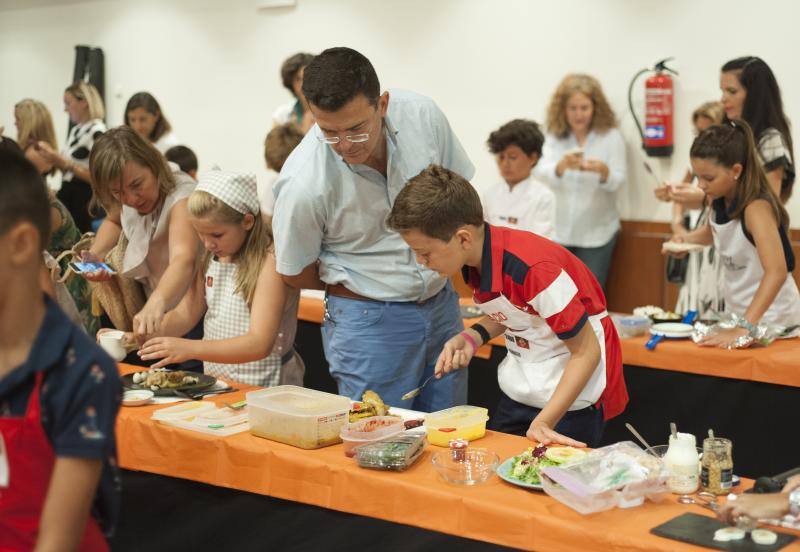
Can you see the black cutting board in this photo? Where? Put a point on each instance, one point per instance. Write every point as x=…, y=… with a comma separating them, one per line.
x=697, y=529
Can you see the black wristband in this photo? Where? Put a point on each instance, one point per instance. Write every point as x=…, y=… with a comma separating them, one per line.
x=481, y=331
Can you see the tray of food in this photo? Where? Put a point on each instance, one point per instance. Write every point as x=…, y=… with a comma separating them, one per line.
x=163, y=382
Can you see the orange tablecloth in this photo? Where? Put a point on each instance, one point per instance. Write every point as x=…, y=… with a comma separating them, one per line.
x=779, y=363
x=493, y=512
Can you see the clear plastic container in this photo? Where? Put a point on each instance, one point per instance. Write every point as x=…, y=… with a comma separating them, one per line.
x=297, y=416
x=459, y=422
x=369, y=430
x=394, y=453
x=633, y=326
x=620, y=475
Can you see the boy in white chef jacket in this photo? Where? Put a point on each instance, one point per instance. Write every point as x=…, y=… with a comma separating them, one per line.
x=562, y=377
x=519, y=200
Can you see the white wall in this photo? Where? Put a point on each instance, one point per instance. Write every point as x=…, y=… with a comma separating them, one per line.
x=214, y=64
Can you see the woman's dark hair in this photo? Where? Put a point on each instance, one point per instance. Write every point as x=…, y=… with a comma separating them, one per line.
x=522, y=133
x=146, y=101
x=763, y=106
x=731, y=143
x=338, y=75
x=291, y=67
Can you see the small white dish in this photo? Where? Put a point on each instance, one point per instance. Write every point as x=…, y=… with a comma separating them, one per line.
x=673, y=330
x=137, y=397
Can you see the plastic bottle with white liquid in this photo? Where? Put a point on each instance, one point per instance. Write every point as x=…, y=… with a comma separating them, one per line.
x=683, y=463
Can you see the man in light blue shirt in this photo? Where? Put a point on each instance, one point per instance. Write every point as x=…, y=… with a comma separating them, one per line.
x=386, y=317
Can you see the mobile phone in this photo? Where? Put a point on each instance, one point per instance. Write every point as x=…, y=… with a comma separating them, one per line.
x=81, y=267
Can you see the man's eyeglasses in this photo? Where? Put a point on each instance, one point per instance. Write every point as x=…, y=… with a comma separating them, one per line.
x=352, y=138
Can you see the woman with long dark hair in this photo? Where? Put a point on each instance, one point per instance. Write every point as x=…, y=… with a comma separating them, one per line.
x=750, y=92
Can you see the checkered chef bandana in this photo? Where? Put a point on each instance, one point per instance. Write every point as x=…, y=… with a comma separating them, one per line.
x=237, y=190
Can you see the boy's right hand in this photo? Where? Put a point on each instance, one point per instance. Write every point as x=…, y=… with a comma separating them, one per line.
x=456, y=354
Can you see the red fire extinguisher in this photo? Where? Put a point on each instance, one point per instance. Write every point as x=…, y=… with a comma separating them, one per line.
x=658, y=120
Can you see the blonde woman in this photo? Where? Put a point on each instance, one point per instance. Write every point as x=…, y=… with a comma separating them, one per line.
x=146, y=200
x=583, y=160
x=249, y=314
x=35, y=124
x=85, y=108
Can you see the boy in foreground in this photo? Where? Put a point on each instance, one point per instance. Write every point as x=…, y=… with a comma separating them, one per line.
x=562, y=377
x=59, y=393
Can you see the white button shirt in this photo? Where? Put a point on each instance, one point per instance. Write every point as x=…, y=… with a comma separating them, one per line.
x=529, y=205
x=586, y=209
x=328, y=210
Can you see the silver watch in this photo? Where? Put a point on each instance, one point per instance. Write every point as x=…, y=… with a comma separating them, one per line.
x=794, y=502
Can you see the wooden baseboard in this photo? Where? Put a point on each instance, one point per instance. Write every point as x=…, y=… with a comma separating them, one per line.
x=637, y=268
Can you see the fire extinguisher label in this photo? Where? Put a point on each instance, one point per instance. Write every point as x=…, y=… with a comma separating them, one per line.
x=654, y=132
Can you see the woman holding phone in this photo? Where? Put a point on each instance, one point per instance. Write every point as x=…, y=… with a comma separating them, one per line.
x=583, y=161
x=146, y=201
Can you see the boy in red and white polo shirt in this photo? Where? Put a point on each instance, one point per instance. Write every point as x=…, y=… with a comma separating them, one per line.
x=562, y=377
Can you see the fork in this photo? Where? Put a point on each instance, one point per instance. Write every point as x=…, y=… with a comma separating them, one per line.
x=414, y=392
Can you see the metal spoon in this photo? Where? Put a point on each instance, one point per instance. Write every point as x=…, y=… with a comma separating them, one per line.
x=414, y=392
x=636, y=434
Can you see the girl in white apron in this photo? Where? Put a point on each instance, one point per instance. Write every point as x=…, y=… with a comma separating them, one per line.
x=748, y=227
x=249, y=315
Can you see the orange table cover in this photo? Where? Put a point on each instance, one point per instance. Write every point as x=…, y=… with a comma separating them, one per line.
x=779, y=363
x=494, y=512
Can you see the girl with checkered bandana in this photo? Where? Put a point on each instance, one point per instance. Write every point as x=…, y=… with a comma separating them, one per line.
x=249, y=314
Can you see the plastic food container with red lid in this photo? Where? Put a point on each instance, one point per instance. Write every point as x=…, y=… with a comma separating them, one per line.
x=369, y=430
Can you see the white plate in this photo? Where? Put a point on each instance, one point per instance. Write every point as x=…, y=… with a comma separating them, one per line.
x=672, y=329
x=676, y=247
x=137, y=397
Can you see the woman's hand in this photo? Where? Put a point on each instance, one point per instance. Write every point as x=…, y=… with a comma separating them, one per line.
x=456, y=354
x=50, y=155
x=595, y=166
x=541, y=432
x=98, y=275
x=662, y=192
x=172, y=350
x=686, y=194
x=756, y=506
x=570, y=161
x=148, y=321
x=725, y=339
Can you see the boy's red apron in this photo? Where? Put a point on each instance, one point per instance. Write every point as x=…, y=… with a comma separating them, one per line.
x=30, y=463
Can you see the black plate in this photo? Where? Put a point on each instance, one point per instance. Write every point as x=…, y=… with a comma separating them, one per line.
x=204, y=382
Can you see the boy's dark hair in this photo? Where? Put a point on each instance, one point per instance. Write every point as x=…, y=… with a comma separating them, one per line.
x=437, y=202
x=522, y=133
x=338, y=75
x=23, y=194
x=183, y=157
x=763, y=106
x=731, y=143
x=146, y=101
x=291, y=67
x=280, y=142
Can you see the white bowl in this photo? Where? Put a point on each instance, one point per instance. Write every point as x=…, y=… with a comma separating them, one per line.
x=137, y=397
